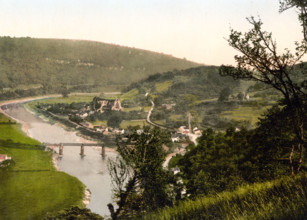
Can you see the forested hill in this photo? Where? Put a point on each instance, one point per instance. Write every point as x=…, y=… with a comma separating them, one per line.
x=27, y=63
x=201, y=82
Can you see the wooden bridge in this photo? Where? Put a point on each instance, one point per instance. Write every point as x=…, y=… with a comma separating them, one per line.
x=81, y=145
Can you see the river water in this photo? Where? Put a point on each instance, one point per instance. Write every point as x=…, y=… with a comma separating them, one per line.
x=91, y=170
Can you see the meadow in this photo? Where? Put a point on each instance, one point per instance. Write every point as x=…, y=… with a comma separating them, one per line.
x=66, y=100
x=33, y=186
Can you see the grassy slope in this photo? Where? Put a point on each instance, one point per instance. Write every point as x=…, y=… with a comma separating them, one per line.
x=33, y=63
x=245, y=113
x=285, y=198
x=33, y=187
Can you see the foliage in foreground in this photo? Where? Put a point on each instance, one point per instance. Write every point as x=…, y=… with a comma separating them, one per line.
x=140, y=182
x=222, y=161
x=74, y=213
x=285, y=198
x=260, y=61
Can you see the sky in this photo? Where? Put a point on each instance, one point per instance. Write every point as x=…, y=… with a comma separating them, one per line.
x=193, y=29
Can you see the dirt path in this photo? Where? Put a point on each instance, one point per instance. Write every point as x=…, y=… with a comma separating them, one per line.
x=169, y=156
x=148, y=117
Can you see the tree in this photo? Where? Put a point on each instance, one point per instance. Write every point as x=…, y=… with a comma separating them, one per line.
x=261, y=62
x=223, y=160
x=102, y=95
x=224, y=94
x=114, y=121
x=301, y=5
x=95, y=103
x=74, y=213
x=240, y=96
x=65, y=92
x=268, y=139
x=139, y=181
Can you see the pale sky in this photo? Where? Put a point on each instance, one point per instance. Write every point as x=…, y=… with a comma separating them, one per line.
x=194, y=29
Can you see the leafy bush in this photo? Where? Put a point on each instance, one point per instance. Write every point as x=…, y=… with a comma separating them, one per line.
x=74, y=213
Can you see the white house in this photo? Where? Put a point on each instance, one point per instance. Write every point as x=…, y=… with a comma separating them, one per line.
x=4, y=157
x=175, y=139
x=183, y=130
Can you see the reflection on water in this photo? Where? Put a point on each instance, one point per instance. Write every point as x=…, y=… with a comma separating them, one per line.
x=91, y=170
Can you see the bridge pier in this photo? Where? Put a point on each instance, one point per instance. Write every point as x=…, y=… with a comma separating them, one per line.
x=61, y=150
x=82, y=145
x=82, y=151
x=103, y=151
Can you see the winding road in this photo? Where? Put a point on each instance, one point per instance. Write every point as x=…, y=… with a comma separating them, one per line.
x=149, y=114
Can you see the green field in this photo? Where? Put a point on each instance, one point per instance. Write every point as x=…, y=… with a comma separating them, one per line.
x=99, y=123
x=147, y=108
x=32, y=187
x=160, y=122
x=68, y=100
x=132, y=94
x=206, y=100
x=245, y=113
x=132, y=109
x=163, y=86
x=174, y=117
x=125, y=123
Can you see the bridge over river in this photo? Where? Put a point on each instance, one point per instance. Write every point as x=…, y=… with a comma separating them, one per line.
x=81, y=145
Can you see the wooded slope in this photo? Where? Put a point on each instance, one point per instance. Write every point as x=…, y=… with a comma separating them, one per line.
x=27, y=63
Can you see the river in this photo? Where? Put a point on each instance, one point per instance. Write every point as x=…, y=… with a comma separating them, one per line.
x=91, y=170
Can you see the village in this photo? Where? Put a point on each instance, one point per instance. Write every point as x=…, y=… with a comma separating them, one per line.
x=99, y=105
x=85, y=116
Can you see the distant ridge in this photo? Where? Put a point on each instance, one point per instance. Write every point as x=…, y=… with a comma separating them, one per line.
x=53, y=64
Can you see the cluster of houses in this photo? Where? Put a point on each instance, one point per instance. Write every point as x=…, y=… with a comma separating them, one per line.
x=102, y=129
x=184, y=130
x=4, y=157
x=100, y=105
x=85, y=112
x=168, y=106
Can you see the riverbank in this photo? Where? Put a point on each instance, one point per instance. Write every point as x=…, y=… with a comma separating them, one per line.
x=82, y=138
x=33, y=186
x=26, y=126
x=91, y=170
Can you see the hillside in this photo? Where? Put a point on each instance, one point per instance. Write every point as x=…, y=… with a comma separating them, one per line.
x=195, y=90
x=213, y=101
x=283, y=198
x=35, y=66
x=203, y=82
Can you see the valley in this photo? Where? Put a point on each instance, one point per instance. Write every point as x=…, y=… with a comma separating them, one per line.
x=92, y=130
